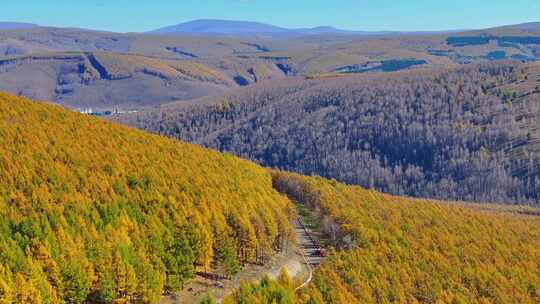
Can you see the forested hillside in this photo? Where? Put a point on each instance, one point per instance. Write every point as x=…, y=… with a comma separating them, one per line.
x=91, y=212
x=399, y=250
x=467, y=133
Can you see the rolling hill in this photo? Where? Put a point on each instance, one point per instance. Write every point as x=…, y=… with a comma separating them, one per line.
x=466, y=133
x=239, y=60
x=210, y=26
x=16, y=25
x=108, y=81
x=391, y=249
x=95, y=212
x=92, y=212
x=51, y=64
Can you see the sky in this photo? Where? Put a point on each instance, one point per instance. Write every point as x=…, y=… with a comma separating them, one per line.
x=369, y=15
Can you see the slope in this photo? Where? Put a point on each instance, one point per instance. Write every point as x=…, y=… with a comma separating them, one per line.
x=241, y=59
x=307, y=51
x=464, y=133
x=108, y=81
x=91, y=211
x=16, y=25
x=391, y=249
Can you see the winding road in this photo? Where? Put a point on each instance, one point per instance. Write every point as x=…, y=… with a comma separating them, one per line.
x=310, y=250
x=302, y=259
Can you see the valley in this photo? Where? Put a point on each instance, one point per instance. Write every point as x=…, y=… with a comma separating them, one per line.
x=126, y=206
x=239, y=162
x=464, y=133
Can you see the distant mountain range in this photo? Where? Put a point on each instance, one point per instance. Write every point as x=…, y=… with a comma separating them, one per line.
x=216, y=27
x=16, y=25
x=82, y=68
x=221, y=27
x=228, y=27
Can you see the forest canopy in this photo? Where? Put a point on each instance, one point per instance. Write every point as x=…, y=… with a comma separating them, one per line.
x=467, y=133
x=398, y=250
x=91, y=211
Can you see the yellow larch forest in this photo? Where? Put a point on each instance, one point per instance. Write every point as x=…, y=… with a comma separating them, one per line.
x=390, y=249
x=91, y=211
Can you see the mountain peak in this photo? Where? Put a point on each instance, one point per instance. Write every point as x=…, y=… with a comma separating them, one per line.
x=234, y=27
x=217, y=26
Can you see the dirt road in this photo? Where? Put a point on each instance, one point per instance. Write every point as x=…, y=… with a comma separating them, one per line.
x=299, y=260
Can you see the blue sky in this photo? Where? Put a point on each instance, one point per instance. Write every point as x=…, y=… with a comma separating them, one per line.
x=407, y=15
